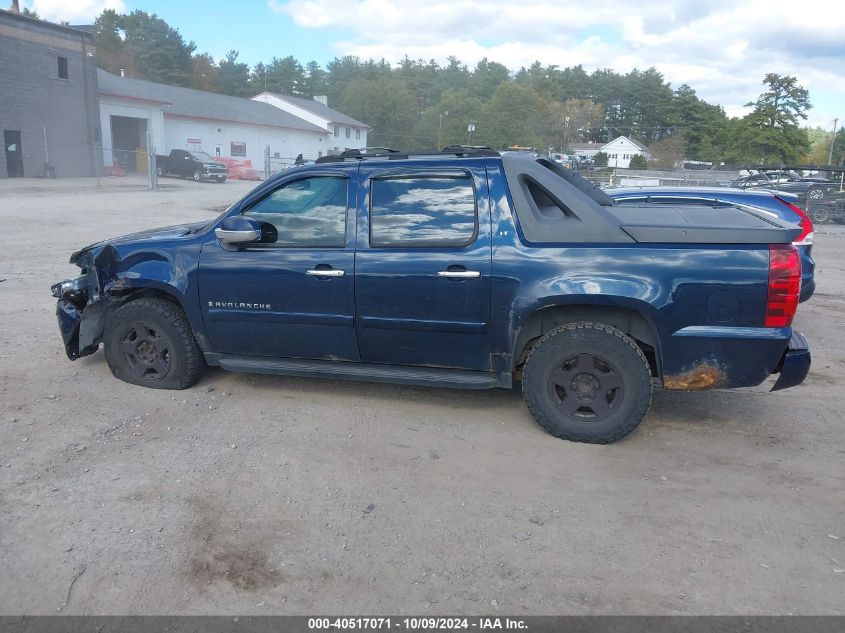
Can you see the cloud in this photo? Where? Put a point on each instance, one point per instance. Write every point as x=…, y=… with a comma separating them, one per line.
x=73, y=11
x=722, y=49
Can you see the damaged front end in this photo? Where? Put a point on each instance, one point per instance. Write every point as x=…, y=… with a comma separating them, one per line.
x=81, y=308
x=115, y=270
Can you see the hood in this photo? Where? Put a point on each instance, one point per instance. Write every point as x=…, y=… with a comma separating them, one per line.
x=164, y=233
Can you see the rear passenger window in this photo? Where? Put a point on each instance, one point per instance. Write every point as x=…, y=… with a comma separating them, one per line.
x=423, y=211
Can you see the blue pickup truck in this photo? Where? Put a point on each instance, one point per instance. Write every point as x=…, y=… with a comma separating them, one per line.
x=462, y=268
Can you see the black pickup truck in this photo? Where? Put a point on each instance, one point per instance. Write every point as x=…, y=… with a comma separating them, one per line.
x=197, y=165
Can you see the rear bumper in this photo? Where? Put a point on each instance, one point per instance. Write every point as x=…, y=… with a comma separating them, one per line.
x=795, y=364
x=724, y=357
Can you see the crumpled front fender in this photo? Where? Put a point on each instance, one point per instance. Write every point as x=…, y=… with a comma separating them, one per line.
x=81, y=330
x=69, y=318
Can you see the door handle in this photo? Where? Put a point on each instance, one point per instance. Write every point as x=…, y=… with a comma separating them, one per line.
x=459, y=274
x=329, y=272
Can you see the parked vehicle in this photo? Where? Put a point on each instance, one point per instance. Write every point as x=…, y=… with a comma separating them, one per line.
x=197, y=165
x=806, y=188
x=463, y=269
x=782, y=204
x=830, y=209
x=566, y=160
x=585, y=162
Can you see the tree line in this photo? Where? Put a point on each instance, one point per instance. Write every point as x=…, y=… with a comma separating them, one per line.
x=418, y=104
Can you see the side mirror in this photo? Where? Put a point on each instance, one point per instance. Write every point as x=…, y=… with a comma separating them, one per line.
x=238, y=229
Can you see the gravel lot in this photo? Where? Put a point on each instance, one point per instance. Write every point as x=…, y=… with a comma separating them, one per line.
x=269, y=495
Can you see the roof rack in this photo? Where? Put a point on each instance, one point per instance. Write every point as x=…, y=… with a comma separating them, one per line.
x=464, y=151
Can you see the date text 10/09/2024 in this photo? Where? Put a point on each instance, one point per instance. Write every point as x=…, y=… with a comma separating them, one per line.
x=416, y=624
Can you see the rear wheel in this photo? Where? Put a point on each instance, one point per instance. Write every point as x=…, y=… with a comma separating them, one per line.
x=197, y=175
x=149, y=342
x=159, y=172
x=587, y=382
x=820, y=214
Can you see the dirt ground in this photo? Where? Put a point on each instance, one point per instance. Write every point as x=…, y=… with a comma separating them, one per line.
x=270, y=495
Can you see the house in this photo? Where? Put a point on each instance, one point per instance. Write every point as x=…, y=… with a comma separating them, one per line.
x=622, y=149
x=344, y=131
x=587, y=150
x=619, y=151
x=48, y=99
x=183, y=118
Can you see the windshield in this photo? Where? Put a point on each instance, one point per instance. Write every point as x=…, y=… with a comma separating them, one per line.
x=203, y=156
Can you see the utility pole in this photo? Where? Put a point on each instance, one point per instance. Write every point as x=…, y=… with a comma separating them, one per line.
x=832, y=141
x=440, y=130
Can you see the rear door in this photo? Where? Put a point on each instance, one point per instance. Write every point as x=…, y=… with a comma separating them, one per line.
x=423, y=266
x=180, y=163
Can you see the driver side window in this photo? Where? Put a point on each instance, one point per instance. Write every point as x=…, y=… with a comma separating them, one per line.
x=309, y=212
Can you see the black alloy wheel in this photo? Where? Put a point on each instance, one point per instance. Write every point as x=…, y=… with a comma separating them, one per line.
x=145, y=352
x=587, y=382
x=149, y=342
x=586, y=388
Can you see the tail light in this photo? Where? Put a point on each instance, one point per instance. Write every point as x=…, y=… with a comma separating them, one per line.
x=784, y=285
x=806, y=224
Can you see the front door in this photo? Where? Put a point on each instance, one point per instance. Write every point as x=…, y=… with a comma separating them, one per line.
x=422, y=271
x=292, y=294
x=14, y=153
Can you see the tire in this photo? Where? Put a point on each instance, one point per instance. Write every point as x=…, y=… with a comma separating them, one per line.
x=815, y=193
x=820, y=214
x=587, y=382
x=159, y=172
x=149, y=342
x=197, y=176
x=221, y=179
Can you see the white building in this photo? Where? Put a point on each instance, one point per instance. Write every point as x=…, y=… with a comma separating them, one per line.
x=220, y=125
x=621, y=150
x=344, y=131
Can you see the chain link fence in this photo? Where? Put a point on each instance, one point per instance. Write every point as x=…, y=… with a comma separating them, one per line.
x=138, y=167
x=89, y=163
x=652, y=178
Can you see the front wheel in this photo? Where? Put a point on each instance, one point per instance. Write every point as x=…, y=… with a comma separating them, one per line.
x=149, y=342
x=587, y=382
x=221, y=179
x=815, y=193
x=197, y=175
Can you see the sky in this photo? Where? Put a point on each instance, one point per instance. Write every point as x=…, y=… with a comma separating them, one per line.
x=722, y=48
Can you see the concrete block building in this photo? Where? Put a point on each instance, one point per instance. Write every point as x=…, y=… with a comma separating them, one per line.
x=49, y=111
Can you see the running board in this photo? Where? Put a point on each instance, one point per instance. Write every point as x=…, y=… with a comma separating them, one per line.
x=340, y=370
